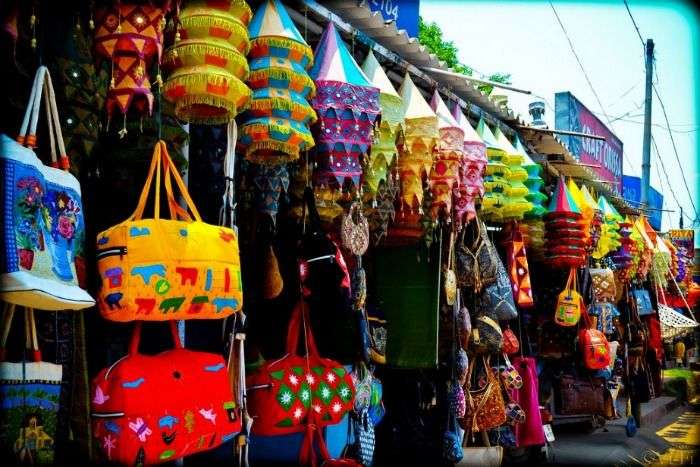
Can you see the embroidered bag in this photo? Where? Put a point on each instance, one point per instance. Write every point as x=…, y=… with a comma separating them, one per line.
x=497, y=299
x=514, y=414
x=451, y=441
x=295, y=390
x=593, y=346
x=29, y=400
x=510, y=342
x=486, y=336
x=569, y=303
x=510, y=377
x=362, y=448
x=604, y=289
x=485, y=405
x=643, y=300
x=354, y=230
x=449, y=279
x=42, y=224
x=163, y=269
x=503, y=436
x=519, y=270
x=477, y=263
x=148, y=409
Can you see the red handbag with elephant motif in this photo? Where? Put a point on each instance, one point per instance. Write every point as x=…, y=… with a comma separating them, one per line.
x=148, y=409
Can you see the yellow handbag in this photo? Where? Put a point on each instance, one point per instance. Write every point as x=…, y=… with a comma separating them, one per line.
x=569, y=303
x=163, y=269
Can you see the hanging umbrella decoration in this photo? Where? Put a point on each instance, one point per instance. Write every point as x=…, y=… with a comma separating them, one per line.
x=130, y=36
x=516, y=205
x=565, y=246
x=495, y=179
x=207, y=62
x=415, y=162
x=347, y=106
x=609, y=236
x=448, y=153
x=471, y=171
x=380, y=184
x=275, y=129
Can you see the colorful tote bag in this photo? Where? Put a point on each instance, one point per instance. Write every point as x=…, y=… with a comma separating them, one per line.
x=43, y=229
x=569, y=303
x=29, y=396
x=297, y=391
x=162, y=269
x=148, y=409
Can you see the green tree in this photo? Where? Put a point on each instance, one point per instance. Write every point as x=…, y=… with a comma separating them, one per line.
x=430, y=35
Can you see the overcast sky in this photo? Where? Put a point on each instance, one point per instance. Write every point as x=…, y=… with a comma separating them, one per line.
x=525, y=40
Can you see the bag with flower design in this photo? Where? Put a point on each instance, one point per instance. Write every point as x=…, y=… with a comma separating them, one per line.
x=288, y=394
x=42, y=264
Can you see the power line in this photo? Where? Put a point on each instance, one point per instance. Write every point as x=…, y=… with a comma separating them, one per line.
x=668, y=181
x=588, y=80
x=668, y=125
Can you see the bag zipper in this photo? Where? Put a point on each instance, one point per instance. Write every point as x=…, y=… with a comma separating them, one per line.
x=114, y=251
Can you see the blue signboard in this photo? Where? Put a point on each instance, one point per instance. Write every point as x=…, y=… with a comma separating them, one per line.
x=632, y=192
x=403, y=12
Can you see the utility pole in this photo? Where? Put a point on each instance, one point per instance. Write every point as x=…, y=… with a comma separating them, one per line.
x=680, y=224
x=646, y=147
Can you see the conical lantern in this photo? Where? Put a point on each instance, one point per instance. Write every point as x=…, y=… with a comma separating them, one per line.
x=565, y=246
x=516, y=205
x=597, y=220
x=448, y=154
x=130, y=36
x=275, y=129
x=533, y=183
x=384, y=150
x=347, y=105
x=415, y=161
x=622, y=257
x=207, y=62
x=610, y=237
x=471, y=171
x=587, y=210
x=496, y=173
x=646, y=245
x=269, y=182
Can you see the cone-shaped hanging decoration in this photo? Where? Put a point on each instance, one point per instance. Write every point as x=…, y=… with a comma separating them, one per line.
x=415, y=162
x=207, y=62
x=448, y=153
x=565, y=245
x=471, y=171
x=384, y=150
x=269, y=181
x=516, y=205
x=609, y=236
x=496, y=175
x=276, y=127
x=533, y=182
x=347, y=105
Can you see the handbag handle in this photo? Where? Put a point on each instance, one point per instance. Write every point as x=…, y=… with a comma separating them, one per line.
x=300, y=321
x=43, y=86
x=136, y=337
x=31, y=339
x=161, y=158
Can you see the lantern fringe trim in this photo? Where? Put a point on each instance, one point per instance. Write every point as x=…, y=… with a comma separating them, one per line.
x=183, y=103
x=229, y=10
x=283, y=103
x=206, y=18
x=287, y=152
x=282, y=43
x=284, y=74
x=198, y=50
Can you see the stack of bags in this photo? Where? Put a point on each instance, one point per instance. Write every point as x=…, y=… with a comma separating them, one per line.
x=379, y=184
x=471, y=171
x=495, y=179
x=533, y=182
x=347, y=106
x=275, y=129
x=565, y=244
x=610, y=229
x=448, y=154
x=130, y=36
x=415, y=162
x=207, y=62
x=516, y=205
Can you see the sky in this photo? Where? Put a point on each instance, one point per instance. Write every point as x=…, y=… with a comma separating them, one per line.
x=525, y=40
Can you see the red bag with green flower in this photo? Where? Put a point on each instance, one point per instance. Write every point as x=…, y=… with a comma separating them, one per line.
x=288, y=394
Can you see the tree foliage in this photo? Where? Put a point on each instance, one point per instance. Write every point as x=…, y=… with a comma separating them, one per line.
x=430, y=35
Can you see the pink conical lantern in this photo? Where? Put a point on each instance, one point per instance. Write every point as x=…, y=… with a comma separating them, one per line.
x=448, y=154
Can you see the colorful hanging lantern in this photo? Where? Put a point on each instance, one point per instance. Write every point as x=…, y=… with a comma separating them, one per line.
x=622, y=257
x=646, y=244
x=129, y=35
x=496, y=173
x=276, y=127
x=597, y=221
x=347, y=106
x=415, y=161
x=610, y=236
x=384, y=150
x=533, y=182
x=448, y=154
x=565, y=246
x=208, y=67
x=516, y=205
x=471, y=171
x=533, y=231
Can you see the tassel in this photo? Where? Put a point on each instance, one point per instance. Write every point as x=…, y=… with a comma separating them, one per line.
x=273, y=282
